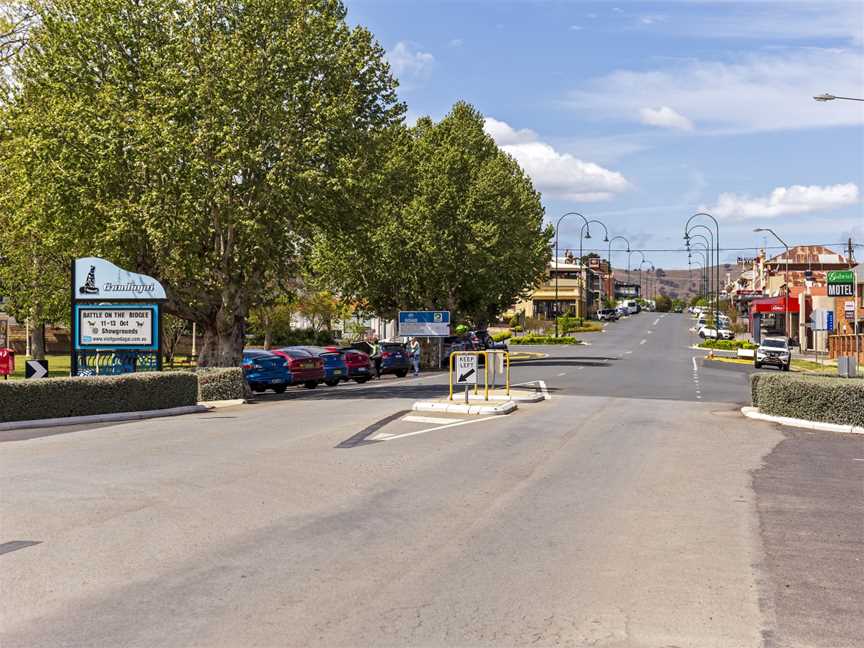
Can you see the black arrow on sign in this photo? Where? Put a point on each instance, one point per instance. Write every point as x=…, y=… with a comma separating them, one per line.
x=466, y=376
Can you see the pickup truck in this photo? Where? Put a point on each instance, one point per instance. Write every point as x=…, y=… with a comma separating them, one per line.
x=774, y=351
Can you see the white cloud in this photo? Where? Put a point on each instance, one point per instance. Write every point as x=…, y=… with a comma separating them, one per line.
x=797, y=199
x=456, y=42
x=560, y=175
x=406, y=59
x=665, y=117
x=764, y=92
x=575, y=27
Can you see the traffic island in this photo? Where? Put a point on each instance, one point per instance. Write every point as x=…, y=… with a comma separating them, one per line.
x=475, y=408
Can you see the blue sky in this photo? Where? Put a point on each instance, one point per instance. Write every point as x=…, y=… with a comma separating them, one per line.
x=639, y=114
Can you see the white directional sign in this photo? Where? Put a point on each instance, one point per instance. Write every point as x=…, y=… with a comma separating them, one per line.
x=36, y=369
x=466, y=370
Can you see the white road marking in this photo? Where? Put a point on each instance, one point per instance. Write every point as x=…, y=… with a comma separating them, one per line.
x=656, y=322
x=429, y=419
x=643, y=341
x=695, y=368
x=393, y=437
x=562, y=374
x=628, y=352
x=649, y=332
x=540, y=383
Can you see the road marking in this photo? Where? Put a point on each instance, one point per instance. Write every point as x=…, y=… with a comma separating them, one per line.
x=643, y=341
x=695, y=368
x=562, y=374
x=429, y=419
x=628, y=352
x=393, y=437
x=649, y=332
x=656, y=322
x=540, y=383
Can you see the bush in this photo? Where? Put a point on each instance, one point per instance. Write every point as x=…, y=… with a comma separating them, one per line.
x=543, y=339
x=517, y=329
x=23, y=400
x=221, y=383
x=814, y=398
x=500, y=337
x=728, y=345
x=569, y=324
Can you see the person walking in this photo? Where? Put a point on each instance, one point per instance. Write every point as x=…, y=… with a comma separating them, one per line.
x=376, y=357
x=414, y=349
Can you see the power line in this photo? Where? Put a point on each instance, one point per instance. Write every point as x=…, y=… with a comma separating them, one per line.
x=741, y=249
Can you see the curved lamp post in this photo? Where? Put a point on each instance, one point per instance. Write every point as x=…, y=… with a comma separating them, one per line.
x=785, y=276
x=629, y=256
x=644, y=261
x=687, y=229
x=701, y=268
x=557, y=227
x=605, y=240
x=704, y=255
x=610, y=290
x=708, y=247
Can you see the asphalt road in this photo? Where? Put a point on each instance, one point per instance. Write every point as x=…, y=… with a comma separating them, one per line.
x=635, y=507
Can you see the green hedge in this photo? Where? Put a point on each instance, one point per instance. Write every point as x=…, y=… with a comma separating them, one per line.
x=500, y=337
x=222, y=383
x=814, y=398
x=728, y=345
x=22, y=400
x=543, y=339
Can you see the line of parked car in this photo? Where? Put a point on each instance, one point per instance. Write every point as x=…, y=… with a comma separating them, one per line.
x=721, y=332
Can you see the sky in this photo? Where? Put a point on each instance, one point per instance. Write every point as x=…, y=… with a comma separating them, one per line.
x=640, y=114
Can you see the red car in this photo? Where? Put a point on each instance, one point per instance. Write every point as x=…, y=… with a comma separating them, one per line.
x=360, y=367
x=307, y=369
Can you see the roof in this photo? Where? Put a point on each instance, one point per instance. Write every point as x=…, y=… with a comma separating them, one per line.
x=810, y=254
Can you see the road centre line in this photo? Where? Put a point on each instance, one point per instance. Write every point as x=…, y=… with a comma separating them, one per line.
x=393, y=437
x=564, y=373
x=429, y=419
x=656, y=322
x=643, y=341
x=695, y=368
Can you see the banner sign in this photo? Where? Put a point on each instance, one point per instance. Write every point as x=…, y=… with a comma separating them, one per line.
x=849, y=309
x=96, y=279
x=117, y=326
x=841, y=283
x=424, y=323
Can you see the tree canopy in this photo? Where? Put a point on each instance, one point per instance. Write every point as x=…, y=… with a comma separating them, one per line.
x=461, y=227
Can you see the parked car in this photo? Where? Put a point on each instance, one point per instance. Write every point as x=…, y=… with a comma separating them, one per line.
x=264, y=370
x=459, y=343
x=773, y=351
x=360, y=367
x=335, y=368
x=622, y=311
x=485, y=342
x=607, y=314
x=394, y=359
x=308, y=370
x=712, y=333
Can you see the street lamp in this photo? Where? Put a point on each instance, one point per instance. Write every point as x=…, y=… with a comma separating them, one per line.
x=704, y=255
x=701, y=268
x=557, y=227
x=785, y=276
x=709, y=248
x=582, y=272
x=716, y=258
x=644, y=261
x=610, y=290
x=830, y=97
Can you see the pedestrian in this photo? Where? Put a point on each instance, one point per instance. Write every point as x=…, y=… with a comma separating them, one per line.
x=376, y=357
x=414, y=349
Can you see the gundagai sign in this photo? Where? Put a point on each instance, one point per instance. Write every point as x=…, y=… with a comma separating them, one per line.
x=100, y=280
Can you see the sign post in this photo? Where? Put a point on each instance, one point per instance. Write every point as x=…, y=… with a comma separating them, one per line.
x=466, y=372
x=116, y=317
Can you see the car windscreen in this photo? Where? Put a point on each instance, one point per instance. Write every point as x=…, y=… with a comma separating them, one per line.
x=296, y=353
x=774, y=344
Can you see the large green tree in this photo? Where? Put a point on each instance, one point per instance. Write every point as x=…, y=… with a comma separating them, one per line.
x=460, y=227
x=203, y=142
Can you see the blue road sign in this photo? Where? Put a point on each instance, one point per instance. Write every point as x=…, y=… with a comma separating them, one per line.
x=424, y=323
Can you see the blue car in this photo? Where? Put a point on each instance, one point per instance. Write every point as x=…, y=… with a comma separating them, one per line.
x=264, y=370
x=335, y=368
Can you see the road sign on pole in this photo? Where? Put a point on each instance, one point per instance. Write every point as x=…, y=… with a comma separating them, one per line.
x=36, y=369
x=466, y=370
x=841, y=283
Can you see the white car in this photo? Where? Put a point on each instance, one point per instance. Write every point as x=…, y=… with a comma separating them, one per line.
x=707, y=332
x=774, y=351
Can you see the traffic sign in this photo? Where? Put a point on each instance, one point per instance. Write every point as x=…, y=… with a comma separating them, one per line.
x=823, y=320
x=36, y=369
x=424, y=323
x=466, y=370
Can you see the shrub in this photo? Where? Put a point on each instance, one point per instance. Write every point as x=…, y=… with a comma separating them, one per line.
x=500, y=337
x=728, y=345
x=221, y=383
x=517, y=329
x=569, y=324
x=543, y=339
x=814, y=398
x=22, y=400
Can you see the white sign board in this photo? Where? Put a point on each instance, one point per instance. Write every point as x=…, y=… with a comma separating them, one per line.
x=100, y=280
x=849, y=309
x=424, y=323
x=466, y=370
x=116, y=327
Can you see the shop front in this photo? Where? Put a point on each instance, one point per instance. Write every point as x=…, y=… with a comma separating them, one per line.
x=773, y=316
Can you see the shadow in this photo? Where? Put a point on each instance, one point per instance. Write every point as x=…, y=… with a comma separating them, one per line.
x=400, y=389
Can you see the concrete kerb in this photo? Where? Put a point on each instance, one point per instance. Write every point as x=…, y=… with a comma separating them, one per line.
x=754, y=413
x=455, y=407
x=117, y=417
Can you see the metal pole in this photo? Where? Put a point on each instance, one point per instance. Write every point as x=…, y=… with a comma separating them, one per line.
x=27, y=336
x=557, y=227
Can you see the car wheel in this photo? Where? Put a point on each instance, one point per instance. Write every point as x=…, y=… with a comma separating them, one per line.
x=280, y=389
x=258, y=389
x=785, y=367
x=331, y=383
x=401, y=373
x=360, y=381
x=310, y=384
x=758, y=365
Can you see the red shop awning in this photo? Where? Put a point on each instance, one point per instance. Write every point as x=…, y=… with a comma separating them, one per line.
x=773, y=305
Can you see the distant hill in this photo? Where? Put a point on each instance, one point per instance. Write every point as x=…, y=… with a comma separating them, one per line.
x=678, y=284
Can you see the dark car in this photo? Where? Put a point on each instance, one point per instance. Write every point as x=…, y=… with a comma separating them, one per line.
x=360, y=367
x=394, y=359
x=264, y=370
x=335, y=368
x=484, y=341
x=308, y=370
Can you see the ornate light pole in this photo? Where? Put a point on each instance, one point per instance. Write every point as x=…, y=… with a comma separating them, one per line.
x=610, y=290
x=716, y=239
x=555, y=270
x=582, y=272
x=785, y=276
x=709, y=249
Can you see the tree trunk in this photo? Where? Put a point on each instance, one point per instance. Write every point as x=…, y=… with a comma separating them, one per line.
x=37, y=341
x=224, y=338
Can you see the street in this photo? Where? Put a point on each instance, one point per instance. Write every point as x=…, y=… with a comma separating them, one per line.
x=633, y=507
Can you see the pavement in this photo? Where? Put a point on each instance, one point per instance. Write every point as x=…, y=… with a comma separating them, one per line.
x=634, y=506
